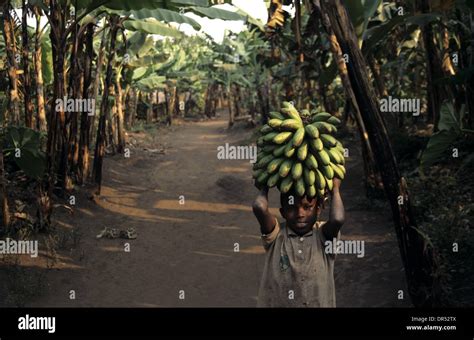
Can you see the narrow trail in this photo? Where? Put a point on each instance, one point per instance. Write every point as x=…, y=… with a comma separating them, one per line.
x=190, y=247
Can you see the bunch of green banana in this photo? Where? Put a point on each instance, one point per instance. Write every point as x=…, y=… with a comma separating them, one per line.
x=297, y=150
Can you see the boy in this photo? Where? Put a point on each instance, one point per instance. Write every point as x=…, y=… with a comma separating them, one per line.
x=298, y=272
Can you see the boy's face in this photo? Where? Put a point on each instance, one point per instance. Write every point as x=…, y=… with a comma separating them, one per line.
x=301, y=215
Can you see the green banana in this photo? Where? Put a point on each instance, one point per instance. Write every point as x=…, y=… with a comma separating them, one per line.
x=273, y=180
x=323, y=157
x=309, y=176
x=286, y=184
x=328, y=172
x=316, y=144
x=302, y=151
x=343, y=159
x=257, y=173
x=297, y=170
x=269, y=148
x=300, y=189
x=285, y=168
x=337, y=171
x=276, y=115
x=329, y=184
x=275, y=123
x=321, y=117
x=290, y=124
x=279, y=151
x=328, y=140
x=320, y=180
x=334, y=120
x=335, y=156
x=266, y=129
x=342, y=167
x=311, y=191
x=311, y=162
x=269, y=136
x=298, y=137
x=321, y=193
x=289, y=150
x=291, y=112
x=264, y=161
x=340, y=148
x=274, y=165
x=326, y=127
x=262, y=178
x=312, y=131
x=281, y=137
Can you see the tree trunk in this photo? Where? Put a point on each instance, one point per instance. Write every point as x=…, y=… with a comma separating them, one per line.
x=466, y=61
x=215, y=95
x=3, y=193
x=41, y=119
x=132, y=107
x=207, y=101
x=237, y=100
x=104, y=109
x=86, y=118
x=76, y=84
x=149, y=110
x=111, y=131
x=452, y=90
x=172, y=105
x=10, y=47
x=262, y=95
x=417, y=255
x=57, y=132
x=127, y=105
x=133, y=116
x=98, y=72
x=433, y=65
x=26, y=68
x=231, y=107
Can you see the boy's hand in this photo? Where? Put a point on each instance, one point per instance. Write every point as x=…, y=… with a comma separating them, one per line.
x=336, y=184
x=336, y=213
x=260, y=209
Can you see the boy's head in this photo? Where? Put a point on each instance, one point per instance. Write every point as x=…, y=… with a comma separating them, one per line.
x=300, y=213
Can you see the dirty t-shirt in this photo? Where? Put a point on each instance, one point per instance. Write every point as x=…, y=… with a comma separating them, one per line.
x=297, y=271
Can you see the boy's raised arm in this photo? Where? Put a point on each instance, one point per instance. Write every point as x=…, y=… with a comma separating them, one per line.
x=336, y=213
x=260, y=209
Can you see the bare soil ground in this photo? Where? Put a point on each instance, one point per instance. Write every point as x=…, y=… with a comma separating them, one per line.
x=190, y=247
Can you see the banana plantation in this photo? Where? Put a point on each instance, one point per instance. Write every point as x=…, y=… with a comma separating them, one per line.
x=111, y=113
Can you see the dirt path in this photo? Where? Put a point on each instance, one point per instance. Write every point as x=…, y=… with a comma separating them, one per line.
x=190, y=247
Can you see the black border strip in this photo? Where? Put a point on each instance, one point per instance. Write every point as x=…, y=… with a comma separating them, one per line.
x=131, y=322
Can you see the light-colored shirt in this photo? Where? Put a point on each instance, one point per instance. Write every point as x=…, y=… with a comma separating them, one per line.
x=297, y=271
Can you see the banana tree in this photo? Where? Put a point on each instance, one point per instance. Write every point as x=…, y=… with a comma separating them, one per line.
x=251, y=48
x=42, y=67
x=8, y=30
